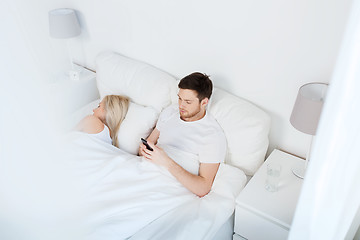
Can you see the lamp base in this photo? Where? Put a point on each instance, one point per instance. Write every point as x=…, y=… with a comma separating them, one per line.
x=299, y=170
x=74, y=75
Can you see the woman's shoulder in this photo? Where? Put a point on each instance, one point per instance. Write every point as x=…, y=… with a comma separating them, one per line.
x=91, y=124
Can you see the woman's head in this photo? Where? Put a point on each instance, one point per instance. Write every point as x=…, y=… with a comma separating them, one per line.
x=100, y=112
x=112, y=111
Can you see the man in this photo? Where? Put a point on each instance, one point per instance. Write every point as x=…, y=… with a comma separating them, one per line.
x=190, y=128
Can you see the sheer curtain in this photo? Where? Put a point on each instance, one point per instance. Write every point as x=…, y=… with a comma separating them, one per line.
x=330, y=196
x=36, y=194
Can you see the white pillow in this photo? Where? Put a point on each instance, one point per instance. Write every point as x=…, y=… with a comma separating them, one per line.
x=246, y=128
x=143, y=83
x=138, y=123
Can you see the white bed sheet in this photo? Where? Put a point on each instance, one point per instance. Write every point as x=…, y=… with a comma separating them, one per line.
x=125, y=196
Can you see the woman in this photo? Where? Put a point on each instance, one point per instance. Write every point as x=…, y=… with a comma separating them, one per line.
x=107, y=118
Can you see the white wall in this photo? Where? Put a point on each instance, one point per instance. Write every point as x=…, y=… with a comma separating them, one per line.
x=31, y=18
x=260, y=50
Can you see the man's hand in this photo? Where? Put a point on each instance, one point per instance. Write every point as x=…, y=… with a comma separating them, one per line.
x=198, y=184
x=142, y=147
x=157, y=156
x=151, y=139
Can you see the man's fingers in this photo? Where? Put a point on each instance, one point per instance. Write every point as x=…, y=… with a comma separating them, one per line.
x=153, y=146
x=147, y=153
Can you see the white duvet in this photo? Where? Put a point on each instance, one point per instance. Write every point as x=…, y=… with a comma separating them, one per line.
x=125, y=196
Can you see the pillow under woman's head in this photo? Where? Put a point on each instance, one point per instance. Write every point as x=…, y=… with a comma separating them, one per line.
x=138, y=123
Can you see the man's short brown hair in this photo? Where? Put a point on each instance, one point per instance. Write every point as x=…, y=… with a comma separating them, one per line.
x=198, y=82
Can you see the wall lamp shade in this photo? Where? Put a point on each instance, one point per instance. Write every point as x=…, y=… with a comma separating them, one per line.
x=306, y=114
x=63, y=23
x=307, y=108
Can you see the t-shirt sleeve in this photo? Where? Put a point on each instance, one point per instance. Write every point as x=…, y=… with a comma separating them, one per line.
x=165, y=116
x=214, y=149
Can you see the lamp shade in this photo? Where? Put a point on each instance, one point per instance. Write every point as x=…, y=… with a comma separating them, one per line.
x=307, y=108
x=63, y=23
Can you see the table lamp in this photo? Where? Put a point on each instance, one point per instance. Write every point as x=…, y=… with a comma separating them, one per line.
x=63, y=24
x=306, y=114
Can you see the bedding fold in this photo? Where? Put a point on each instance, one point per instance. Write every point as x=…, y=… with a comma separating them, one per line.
x=124, y=195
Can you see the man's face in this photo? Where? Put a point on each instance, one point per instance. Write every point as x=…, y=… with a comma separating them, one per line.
x=190, y=108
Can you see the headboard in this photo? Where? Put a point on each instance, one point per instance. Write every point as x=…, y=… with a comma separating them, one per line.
x=245, y=125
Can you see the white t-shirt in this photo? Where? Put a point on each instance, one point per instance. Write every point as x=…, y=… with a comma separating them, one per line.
x=104, y=135
x=204, y=138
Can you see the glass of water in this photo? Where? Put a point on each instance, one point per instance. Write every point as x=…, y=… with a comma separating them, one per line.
x=273, y=172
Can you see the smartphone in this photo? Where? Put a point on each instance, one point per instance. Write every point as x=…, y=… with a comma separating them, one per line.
x=146, y=144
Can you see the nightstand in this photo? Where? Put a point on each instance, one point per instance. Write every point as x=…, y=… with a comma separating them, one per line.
x=260, y=214
x=70, y=95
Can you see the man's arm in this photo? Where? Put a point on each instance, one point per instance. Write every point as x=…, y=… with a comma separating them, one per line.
x=198, y=184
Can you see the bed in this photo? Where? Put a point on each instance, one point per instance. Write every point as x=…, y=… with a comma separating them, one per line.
x=127, y=197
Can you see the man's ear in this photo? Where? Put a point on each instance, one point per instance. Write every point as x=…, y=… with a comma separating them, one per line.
x=204, y=102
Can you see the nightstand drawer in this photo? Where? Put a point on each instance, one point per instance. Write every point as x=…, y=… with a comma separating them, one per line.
x=252, y=226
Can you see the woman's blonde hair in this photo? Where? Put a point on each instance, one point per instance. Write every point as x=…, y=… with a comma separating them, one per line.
x=116, y=107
